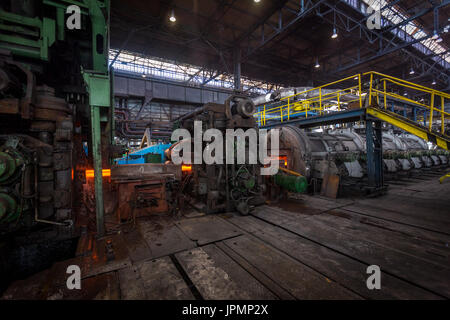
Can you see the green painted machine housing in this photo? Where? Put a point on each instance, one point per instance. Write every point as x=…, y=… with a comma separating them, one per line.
x=297, y=184
x=32, y=37
x=9, y=209
x=32, y=40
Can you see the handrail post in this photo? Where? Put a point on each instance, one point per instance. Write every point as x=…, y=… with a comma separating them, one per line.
x=385, y=104
x=320, y=101
x=338, y=100
x=289, y=109
x=431, y=111
x=442, y=115
x=281, y=113
x=370, y=89
x=264, y=114
x=377, y=94
x=359, y=90
x=306, y=108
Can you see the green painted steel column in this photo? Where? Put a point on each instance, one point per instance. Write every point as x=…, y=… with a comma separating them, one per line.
x=60, y=23
x=99, y=13
x=99, y=89
x=98, y=179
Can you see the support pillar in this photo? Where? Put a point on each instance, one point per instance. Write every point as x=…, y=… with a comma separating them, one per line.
x=98, y=176
x=378, y=154
x=237, y=68
x=99, y=89
x=374, y=148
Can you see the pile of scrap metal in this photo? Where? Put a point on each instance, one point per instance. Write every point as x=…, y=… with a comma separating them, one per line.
x=342, y=152
x=222, y=187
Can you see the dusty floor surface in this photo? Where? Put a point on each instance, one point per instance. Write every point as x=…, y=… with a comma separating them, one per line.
x=303, y=248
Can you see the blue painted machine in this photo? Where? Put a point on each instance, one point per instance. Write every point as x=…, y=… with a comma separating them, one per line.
x=141, y=155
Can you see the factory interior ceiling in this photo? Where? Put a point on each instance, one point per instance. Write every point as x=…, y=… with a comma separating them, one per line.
x=281, y=41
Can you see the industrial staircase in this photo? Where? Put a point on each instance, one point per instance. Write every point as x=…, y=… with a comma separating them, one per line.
x=413, y=127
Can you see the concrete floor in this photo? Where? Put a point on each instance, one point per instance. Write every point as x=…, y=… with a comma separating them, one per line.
x=303, y=248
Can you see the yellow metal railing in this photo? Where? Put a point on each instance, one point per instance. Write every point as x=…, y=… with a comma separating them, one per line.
x=377, y=89
x=313, y=101
x=391, y=84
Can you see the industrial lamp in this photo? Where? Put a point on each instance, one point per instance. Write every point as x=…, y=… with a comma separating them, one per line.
x=172, y=16
x=334, y=35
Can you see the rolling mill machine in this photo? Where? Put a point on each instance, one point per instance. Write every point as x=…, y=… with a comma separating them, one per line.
x=220, y=186
x=56, y=116
x=359, y=133
x=343, y=153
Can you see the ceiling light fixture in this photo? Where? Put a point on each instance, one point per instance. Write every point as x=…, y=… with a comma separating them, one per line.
x=334, y=35
x=172, y=17
x=435, y=35
x=317, y=65
x=411, y=71
x=434, y=82
x=257, y=1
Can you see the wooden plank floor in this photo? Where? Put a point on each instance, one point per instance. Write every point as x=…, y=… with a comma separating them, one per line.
x=308, y=247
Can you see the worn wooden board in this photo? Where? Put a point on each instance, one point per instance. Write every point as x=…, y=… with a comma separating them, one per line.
x=218, y=277
x=32, y=288
x=40, y=287
x=207, y=229
x=296, y=278
x=162, y=281
x=95, y=263
x=271, y=285
x=101, y=287
x=131, y=284
x=167, y=241
x=340, y=268
x=407, y=217
x=430, y=238
x=402, y=242
x=99, y=262
x=424, y=204
x=431, y=185
x=138, y=249
x=319, y=203
x=434, y=278
x=428, y=209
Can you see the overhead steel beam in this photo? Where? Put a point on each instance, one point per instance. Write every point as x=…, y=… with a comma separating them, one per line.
x=330, y=118
x=305, y=9
x=277, y=6
x=237, y=68
x=385, y=44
